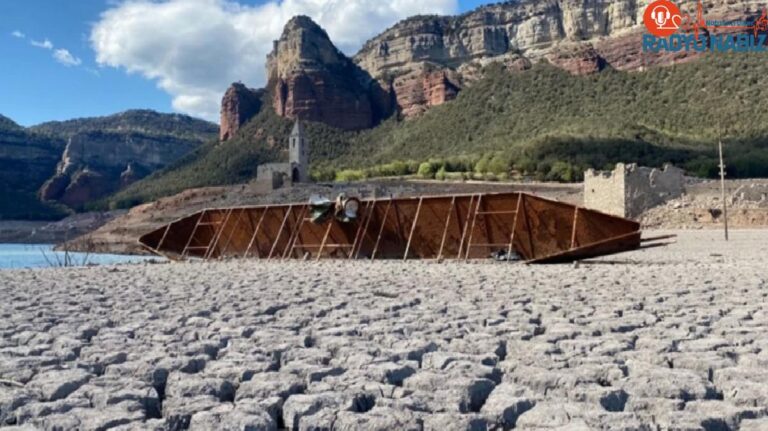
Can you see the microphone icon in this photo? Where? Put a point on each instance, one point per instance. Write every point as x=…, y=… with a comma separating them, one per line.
x=661, y=15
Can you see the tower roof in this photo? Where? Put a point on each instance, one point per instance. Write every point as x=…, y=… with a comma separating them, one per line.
x=298, y=129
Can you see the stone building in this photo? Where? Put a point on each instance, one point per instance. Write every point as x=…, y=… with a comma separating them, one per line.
x=630, y=190
x=297, y=168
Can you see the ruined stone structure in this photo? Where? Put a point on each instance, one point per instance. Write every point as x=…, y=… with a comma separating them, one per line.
x=297, y=168
x=630, y=190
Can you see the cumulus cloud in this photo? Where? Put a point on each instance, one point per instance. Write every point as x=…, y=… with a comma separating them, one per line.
x=45, y=44
x=194, y=49
x=66, y=58
x=18, y=34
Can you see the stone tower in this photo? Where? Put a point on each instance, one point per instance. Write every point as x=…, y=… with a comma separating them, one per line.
x=298, y=154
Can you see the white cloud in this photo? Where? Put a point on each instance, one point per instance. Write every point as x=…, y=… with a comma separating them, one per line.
x=66, y=58
x=194, y=49
x=45, y=44
x=18, y=34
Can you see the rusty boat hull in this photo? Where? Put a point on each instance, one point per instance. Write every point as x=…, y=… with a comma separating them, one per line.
x=451, y=227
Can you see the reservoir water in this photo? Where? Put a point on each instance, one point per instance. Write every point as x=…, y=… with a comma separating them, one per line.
x=14, y=256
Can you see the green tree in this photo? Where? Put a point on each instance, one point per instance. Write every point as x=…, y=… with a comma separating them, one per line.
x=426, y=170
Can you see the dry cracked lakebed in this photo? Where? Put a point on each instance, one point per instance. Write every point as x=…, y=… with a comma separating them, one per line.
x=672, y=338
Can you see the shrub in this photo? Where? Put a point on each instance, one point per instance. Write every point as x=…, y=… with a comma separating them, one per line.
x=350, y=175
x=441, y=174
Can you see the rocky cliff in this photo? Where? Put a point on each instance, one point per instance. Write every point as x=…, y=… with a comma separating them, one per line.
x=78, y=161
x=98, y=163
x=425, y=61
x=309, y=78
x=581, y=36
x=239, y=105
x=26, y=161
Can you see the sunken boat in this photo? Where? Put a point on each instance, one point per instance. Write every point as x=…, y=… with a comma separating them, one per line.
x=506, y=226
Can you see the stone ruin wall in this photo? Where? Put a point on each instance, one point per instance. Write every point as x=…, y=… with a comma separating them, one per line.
x=630, y=190
x=274, y=174
x=604, y=191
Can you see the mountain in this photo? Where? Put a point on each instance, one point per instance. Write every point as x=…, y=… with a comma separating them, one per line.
x=48, y=168
x=309, y=78
x=542, y=121
x=137, y=121
x=546, y=88
x=105, y=154
x=425, y=61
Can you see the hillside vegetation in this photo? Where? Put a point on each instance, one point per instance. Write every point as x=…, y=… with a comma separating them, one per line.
x=137, y=120
x=543, y=122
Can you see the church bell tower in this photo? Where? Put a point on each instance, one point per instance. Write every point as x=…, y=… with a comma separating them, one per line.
x=298, y=154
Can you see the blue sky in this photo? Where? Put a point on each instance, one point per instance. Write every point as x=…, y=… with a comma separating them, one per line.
x=63, y=78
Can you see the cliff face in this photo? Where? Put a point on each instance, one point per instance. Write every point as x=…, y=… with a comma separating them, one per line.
x=26, y=161
x=310, y=79
x=531, y=27
x=239, y=105
x=425, y=61
x=97, y=163
x=579, y=36
x=77, y=161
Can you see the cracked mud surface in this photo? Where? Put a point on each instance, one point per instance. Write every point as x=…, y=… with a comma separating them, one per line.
x=667, y=338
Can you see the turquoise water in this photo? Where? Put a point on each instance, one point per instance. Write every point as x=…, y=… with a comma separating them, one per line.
x=42, y=256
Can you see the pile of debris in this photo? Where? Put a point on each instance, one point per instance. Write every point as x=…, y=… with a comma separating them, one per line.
x=702, y=207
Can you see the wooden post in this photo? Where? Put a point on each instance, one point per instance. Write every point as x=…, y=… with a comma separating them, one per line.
x=362, y=231
x=413, y=228
x=722, y=189
x=217, y=236
x=232, y=233
x=445, y=230
x=575, y=221
x=192, y=235
x=381, y=229
x=165, y=235
x=325, y=239
x=255, y=232
x=466, y=226
x=514, y=226
x=280, y=232
x=472, y=229
x=292, y=241
x=528, y=226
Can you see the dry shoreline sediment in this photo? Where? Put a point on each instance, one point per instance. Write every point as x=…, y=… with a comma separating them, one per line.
x=671, y=337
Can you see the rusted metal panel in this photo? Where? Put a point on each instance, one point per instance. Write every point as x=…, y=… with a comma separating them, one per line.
x=452, y=227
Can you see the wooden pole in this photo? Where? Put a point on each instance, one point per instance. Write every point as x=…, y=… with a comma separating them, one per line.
x=514, y=226
x=466, y=226
x=280, y=232
x=325, y=239
x=217, y=236
x=255, y=232
x=192, y=235
x=722, y=188
x=445, y=230
x=575, y=222
x=472, y=229
x=413, y=229
x=381, y=229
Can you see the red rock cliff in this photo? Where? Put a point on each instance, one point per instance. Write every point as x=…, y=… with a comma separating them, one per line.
x=239, y=105
x=310, y=79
